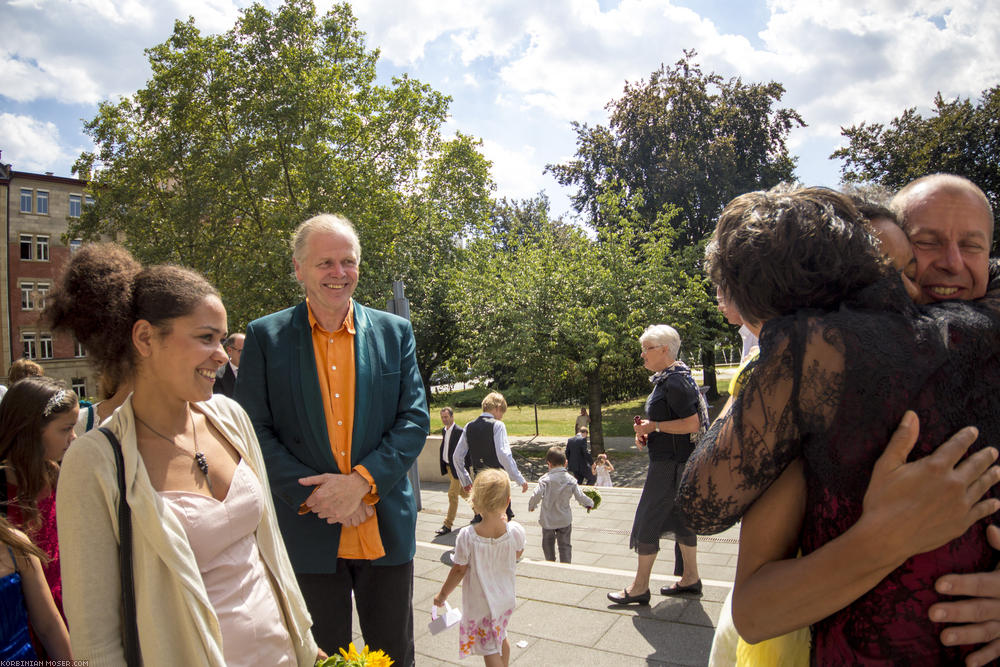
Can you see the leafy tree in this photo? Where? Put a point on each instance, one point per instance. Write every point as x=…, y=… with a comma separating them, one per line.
x=562, y=312
x=239, y=137
x=958, y=137
x=688, y=140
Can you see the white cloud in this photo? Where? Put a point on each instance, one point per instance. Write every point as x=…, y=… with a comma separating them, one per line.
x=83, y=51
x=520, y=71
x=404, y=29
x=517, y=171
x=842, y=65
x=30, y=144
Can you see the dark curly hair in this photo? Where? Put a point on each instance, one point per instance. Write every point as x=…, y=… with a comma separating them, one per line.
x=104, y=291
x=777, y=251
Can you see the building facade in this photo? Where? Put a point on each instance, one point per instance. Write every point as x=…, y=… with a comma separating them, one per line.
x=38, y=208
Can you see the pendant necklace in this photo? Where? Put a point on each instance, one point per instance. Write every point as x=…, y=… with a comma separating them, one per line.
x=199, y=456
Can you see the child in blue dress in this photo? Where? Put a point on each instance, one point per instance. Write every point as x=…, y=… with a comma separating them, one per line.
x=25, y=598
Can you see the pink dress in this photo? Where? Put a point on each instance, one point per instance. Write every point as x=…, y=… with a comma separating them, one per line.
x=45, y=538
x=223, y=538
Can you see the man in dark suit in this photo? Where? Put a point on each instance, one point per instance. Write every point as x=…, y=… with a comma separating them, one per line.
x=578, y=459
x=335, y=397
x=225, y=377
x=450, y=435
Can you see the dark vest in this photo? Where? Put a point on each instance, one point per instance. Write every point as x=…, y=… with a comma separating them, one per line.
x=482, y=448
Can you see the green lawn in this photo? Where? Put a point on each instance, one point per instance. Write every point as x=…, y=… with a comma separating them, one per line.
x=555, y=420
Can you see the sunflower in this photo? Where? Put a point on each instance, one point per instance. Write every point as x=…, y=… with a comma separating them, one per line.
x=350, y=657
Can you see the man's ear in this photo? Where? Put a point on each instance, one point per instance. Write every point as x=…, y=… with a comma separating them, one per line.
x=142, y=337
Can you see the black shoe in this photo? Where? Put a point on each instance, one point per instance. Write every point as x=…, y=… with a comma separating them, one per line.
x=443, y=530
x=694, y=588
x=627, y=598
x=476, y=519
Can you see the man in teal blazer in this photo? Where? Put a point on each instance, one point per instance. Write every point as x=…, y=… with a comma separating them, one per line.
x=280, y=388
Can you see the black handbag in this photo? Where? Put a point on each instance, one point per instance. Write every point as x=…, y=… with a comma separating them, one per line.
x=130, y=630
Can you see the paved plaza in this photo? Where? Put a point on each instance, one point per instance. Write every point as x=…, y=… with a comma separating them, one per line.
x=563, y=616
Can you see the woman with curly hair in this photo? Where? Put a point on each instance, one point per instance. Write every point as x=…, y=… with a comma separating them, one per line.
x=845, y=354
x=212, y=581
x=37, y=416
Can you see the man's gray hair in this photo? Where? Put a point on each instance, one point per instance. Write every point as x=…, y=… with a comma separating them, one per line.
x=662, y=334
x=324, y=222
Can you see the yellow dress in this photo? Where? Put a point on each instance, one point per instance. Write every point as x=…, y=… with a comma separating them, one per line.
x=791, y=650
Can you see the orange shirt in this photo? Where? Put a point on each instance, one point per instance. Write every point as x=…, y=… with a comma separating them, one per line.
x=335, y=367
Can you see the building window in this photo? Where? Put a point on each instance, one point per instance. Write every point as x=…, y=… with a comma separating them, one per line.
x=40, y=294
x=78, y=350
x=74, y=245
x=28, y=341
x=46, y=346
x=27, y=246
x=79, y=386
x=74, y=206
x=27, y=296
x=88, y=200
x=42, y=248
x=25, y=200
x=42, y=202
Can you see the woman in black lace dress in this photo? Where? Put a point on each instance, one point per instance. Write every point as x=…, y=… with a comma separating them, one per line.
x=674, y=411
x=844, y=354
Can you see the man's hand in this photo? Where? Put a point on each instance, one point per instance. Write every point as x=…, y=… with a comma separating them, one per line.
x=467, y=488
x=919, y=506
x=980, y=614
x=336, y=497
x=524, y=488
x=360, y=515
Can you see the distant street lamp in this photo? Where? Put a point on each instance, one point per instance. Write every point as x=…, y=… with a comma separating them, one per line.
x=399, y=305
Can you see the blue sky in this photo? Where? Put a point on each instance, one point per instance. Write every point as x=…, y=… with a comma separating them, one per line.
x=520, y=71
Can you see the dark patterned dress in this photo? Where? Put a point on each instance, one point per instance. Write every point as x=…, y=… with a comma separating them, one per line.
x=831, y=387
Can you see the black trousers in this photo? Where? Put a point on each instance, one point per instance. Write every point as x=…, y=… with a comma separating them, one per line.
x=383, y=596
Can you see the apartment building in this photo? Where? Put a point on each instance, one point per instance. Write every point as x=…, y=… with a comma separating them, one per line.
x=37, y=211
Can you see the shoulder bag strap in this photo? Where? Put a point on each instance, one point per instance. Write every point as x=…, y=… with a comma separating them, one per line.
x=129, y=628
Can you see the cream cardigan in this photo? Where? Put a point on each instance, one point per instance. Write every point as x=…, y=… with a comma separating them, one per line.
x=177, y=624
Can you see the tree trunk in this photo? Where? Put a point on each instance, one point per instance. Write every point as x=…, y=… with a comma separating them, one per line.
x=708, y=371
x=594, y=403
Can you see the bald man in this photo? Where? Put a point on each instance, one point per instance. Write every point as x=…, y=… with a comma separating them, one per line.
x=950, y=225
x=949, y=222
x=225, y=377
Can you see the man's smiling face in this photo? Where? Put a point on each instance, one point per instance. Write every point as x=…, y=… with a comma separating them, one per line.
x=329, y=273
x=951, y=232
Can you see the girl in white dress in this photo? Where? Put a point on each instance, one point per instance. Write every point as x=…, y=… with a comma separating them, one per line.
x=486, y=554
x=602, y=468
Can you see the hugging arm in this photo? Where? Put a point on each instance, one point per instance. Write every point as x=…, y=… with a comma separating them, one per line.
x=745, y=451
x=909, y=508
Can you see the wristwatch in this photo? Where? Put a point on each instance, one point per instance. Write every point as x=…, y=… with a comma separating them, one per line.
x=656, y=426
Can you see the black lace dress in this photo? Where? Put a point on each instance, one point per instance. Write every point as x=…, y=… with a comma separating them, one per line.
x=831, y=388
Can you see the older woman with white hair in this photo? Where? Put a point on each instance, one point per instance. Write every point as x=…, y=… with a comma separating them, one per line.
x=674, y=411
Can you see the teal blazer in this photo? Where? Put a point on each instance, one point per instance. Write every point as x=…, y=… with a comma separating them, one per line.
x=278, y=386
